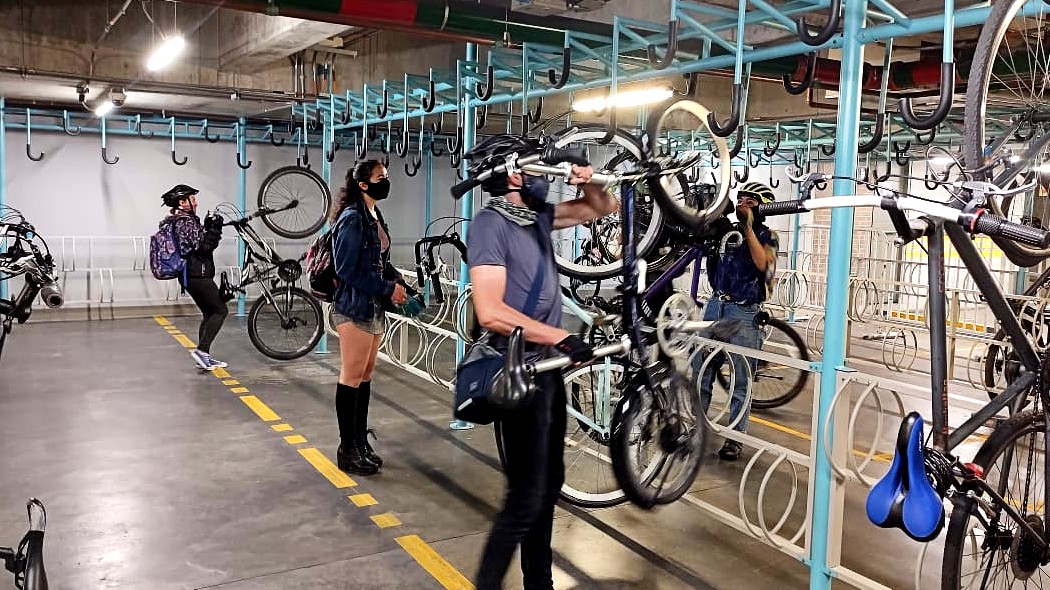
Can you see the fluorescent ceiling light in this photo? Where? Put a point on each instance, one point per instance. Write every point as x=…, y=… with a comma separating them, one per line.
x=630, y=98
x=166, y=53
x=104, y=107
x=942, y=160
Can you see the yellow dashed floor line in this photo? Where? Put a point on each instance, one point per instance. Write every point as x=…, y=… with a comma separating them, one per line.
x=362, y=500
x=261, y=410
x=386, y=520
x=425, y=555
x=326, y=468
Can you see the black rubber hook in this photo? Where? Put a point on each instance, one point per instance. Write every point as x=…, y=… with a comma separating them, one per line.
x=824, y=34
x=807, y=77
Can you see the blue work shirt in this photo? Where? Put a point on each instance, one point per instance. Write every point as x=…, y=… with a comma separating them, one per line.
x=733, y=274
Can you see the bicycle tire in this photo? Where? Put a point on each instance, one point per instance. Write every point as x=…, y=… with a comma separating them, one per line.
x=957, y=536
x=696, y=219
x=982, y=69
x=312, y=316
x=795, y=378
x=649, y=237
x=587, y=450
x=646, y=485
x=306, y=186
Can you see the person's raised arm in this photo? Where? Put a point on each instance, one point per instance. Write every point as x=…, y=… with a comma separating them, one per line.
x=595, y=201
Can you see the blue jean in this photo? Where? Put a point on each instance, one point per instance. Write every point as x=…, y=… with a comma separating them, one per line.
x=748, y=335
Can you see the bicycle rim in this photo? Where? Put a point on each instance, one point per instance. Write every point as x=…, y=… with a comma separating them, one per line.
x=291, y=336
x=592, y=393
x=283, y=186
x=1007, y=79
x=649, y=471
x=775, y=384
x=623, y=151
x=999, y=553
x=679, y=127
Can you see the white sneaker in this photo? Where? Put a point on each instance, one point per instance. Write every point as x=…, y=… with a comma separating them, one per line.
x=202, y=359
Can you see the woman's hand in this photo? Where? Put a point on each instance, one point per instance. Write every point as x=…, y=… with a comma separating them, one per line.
x=399, y=296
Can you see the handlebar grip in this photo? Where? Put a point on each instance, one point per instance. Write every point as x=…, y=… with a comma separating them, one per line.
x=461, y=188
x=51, y=295
x=35, y=576
x=439, y=294
x=993, y=225
x=782, y=208
x=420, y=277
x=555, y=155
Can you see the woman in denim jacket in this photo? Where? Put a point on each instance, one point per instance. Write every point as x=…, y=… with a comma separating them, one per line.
x=362, y=262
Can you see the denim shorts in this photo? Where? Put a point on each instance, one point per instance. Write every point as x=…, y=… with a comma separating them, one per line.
x=376, y=325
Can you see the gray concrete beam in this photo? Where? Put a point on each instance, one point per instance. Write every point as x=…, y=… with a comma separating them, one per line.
x=258, y=40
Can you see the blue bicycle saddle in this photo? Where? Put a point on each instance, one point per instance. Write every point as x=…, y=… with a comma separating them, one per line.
x=904, y=498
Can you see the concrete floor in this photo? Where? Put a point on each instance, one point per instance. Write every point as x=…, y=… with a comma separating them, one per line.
x=158, y=476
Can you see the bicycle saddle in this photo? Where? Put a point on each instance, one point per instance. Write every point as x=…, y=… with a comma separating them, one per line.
x=904, y=498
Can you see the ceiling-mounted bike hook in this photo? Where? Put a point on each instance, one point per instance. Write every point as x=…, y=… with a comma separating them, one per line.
x=29, y=140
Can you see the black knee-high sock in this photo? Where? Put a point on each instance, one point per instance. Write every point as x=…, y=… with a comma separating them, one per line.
x=364, y=394
x=346, y=400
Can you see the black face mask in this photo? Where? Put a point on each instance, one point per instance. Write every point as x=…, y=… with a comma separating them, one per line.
x=534, y=192
x=379, y=190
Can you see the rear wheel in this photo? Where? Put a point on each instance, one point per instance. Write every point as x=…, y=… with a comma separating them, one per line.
x=984, y=547
x=287, y=326
x=774, y=384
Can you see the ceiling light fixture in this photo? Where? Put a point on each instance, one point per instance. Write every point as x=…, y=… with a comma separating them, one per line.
x=166, y=53
x=630, y=98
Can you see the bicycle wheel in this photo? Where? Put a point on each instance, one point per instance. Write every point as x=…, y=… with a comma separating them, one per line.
x=1007, y=80
x=775, y=384
x=657, y=439
x=683, y=122
x=592, y=393
x=283, y=186
x=624, y=152
x=287, y=328
x=984, y=547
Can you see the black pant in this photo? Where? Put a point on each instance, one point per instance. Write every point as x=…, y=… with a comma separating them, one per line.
x=207, y=297
x=533, y=443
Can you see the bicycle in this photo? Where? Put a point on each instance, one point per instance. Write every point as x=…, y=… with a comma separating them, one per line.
x=657, y=436
x=910, y=496
x=285, y=322
x=24, y=252
x=26, y=562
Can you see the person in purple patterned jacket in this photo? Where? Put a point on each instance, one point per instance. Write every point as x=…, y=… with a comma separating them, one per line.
x=197, y=242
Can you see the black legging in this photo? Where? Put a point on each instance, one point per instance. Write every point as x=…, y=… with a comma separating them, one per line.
x=533, y=444
x=207, y=297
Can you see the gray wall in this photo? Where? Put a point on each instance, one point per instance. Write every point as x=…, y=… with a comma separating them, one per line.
x=84, y=205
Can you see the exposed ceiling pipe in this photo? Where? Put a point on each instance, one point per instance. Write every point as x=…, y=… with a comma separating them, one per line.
x=452, y=19
x=105, y=33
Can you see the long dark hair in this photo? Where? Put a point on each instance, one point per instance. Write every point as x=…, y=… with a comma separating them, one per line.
x=350, y=195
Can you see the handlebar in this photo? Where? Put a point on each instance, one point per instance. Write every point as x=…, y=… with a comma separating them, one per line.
x=431, y=243
x=551, y=161
x=27, y=563
x=975, y=222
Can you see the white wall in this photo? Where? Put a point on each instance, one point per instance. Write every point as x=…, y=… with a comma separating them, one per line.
x=101, y=207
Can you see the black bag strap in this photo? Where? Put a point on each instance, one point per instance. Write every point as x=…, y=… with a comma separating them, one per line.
x=533, y=298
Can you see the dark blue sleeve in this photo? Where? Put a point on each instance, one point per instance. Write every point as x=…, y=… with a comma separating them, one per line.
x=347, y=250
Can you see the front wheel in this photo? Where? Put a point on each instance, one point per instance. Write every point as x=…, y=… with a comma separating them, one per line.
x=285, y=325
x=657, y=439
x=774, y=384
x=984, y=547
x=310, y=193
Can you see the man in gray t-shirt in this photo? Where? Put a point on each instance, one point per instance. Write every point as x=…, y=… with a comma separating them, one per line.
x=507, y=244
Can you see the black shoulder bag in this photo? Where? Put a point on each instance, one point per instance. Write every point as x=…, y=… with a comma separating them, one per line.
x=477, y=400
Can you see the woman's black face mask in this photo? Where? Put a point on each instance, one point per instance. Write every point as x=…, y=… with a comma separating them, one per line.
x=379, y=190
x=534, y=191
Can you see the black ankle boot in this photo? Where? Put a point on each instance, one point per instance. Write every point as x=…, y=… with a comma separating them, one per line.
x=350, y=460
x=364, y=395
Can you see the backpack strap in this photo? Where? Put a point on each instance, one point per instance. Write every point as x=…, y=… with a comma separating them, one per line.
x=533, y=298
